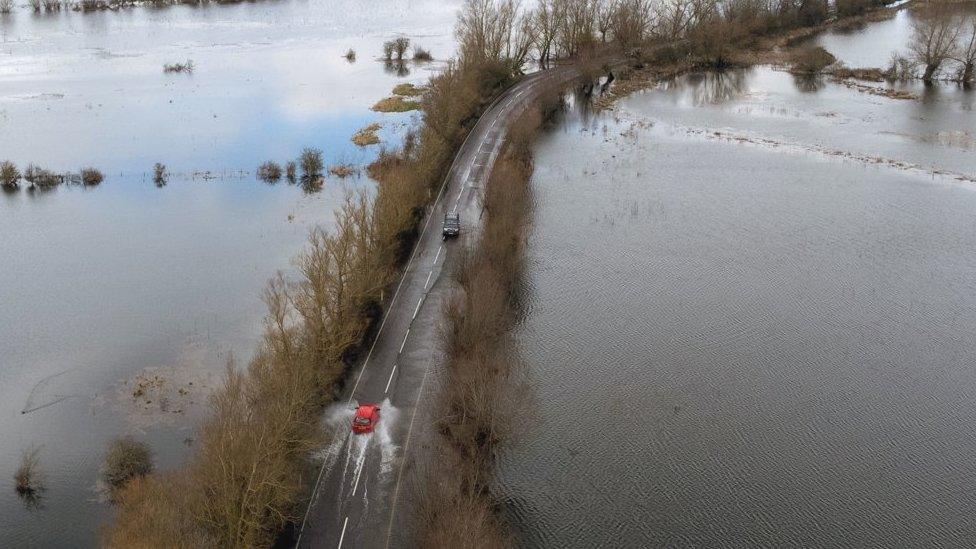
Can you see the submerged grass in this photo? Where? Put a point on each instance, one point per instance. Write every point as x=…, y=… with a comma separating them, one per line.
x=367, y=136
x=396, y=103
x=343, y=171
x=408, y=90
x=27, y=481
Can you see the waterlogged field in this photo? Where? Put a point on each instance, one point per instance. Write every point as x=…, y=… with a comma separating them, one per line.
x=122, y=303
x=749, y=320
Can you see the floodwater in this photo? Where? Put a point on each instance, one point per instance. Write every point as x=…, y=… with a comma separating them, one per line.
x=874, y=44
x=126, y=288
x=742, y=329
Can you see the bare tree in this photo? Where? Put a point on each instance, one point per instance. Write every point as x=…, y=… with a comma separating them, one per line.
x=604, y=11
x=487, y=29
x=934, y=35
x=546, y=19
x=577, y=27
x=631, y=22
x=966, y=52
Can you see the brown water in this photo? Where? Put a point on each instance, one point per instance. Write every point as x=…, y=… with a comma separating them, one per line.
x=744, y=331
x=104, y=285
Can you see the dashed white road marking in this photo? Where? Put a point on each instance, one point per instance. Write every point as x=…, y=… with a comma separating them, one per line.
x=430, y=274
x=417, y=310
x=359, y=472
x=389, y=381
x=404, y=341
x=343, y=536
x=439, y=250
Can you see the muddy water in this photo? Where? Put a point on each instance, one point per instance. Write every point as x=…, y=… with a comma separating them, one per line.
x=742, y=330
x=130, y=289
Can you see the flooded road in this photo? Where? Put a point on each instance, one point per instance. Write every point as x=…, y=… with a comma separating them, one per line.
x=120, y=304
x=744, y=331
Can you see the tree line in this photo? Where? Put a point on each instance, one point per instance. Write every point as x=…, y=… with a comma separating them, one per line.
x=942, y=35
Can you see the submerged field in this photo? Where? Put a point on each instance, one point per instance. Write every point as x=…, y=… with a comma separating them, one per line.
x=122, y=303
x=749, y=312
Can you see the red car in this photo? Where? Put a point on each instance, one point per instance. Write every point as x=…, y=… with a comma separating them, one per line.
x=367, y=415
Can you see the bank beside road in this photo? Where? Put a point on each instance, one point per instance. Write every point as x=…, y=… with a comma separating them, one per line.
x=362, y=481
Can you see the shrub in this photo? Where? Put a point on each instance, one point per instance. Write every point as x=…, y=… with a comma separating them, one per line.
x=350, y=55
x=52, y=5
x=159, y=174
x=40, y=177
x=186, y=66
x=9, y=174
x=6, y=5
x=420, y=54
x=91, y=176
x=311, y=162
x=812, y=60
x=400, y=47
x=852, y=7
x=34, y=4
x=388, y=48
x=270, y=171
x=126, y=459
x=290, y=169
x=92, y=5
x=900, y=68
x=27, y=479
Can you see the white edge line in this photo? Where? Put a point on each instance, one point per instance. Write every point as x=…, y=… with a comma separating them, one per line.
x=389, y=381
x=343, y=536
x=359, y=473
x=405, y=336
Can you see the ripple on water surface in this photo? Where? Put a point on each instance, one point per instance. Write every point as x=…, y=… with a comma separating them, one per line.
x=737, y=344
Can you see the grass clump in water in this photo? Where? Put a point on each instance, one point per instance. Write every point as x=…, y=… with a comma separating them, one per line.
x=420, y=54
x=269, y=172
x=9, y=174
x=159, y=174
x=343, y=171
x=396, y=103
x=186, y=67
x=350, y=55
x=27, y=479
x=367, y=136
x=408, y=90
x=91, y=176
x=126, y=459
x=290, y=171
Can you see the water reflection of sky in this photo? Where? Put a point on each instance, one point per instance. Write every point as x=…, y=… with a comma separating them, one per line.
x=934, y=132
x=269, y=79
x=101, y=284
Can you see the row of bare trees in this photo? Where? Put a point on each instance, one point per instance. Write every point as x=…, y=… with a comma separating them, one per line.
x=942, y=34
x=505, y=30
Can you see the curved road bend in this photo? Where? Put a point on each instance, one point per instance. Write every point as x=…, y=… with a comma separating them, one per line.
x=362, y=480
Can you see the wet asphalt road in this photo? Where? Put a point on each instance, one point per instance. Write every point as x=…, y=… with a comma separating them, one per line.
x=363, y=493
